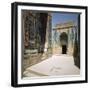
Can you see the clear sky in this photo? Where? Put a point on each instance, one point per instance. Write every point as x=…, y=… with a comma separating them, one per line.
x=60, y=17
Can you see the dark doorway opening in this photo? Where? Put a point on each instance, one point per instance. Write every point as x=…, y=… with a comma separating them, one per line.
x=64, y=49
x=64, y=42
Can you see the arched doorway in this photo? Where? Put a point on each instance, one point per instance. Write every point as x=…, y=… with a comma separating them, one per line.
x=64, y=42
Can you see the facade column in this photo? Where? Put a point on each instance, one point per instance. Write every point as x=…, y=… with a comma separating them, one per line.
x=46, y=42
x=48, y=35
x=69, y=42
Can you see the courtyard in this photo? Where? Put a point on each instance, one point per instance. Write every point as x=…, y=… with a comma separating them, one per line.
x=59, y=64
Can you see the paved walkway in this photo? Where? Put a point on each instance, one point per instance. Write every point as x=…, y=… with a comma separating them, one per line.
x=53, y=66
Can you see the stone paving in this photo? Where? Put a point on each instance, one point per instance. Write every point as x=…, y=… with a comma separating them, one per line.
x=56, y=65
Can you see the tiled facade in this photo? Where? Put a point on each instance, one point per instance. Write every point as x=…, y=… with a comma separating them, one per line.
x=70, y=30
x=37, y=41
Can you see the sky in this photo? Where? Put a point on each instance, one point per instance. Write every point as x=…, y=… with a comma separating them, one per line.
x=60, y=17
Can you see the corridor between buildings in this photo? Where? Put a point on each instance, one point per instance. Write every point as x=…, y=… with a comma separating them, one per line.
x=49, y=50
